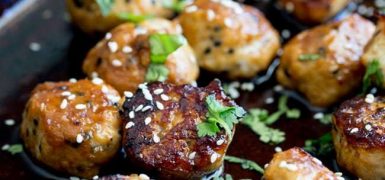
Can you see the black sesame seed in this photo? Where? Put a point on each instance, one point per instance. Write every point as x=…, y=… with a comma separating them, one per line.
x=35, y=122
x=98, y=62
x=217, y=43
x=230, y=51
x=207, y=50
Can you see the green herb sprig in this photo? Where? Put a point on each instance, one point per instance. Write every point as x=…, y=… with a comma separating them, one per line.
x=309, y=57
x=105, y=6
x=134, y=18
x=14, y=149
x=245, y=163
x=321, y=146
x=373, y=76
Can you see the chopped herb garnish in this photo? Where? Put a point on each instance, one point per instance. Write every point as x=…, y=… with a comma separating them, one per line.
x=105, y=6
x=163, y=45
x=326, y=119
x=218, y=116
x=156, y=72
x=226, y=177
x=373, y=76
x=245, y=163
x=175, y=5
x=321, y=146
x=134, y=18
x=14, y=149
x=309, y=57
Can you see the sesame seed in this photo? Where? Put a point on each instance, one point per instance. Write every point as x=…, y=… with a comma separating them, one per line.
x=142, y=86
x=247, y=86
x=5, y=147
x=210, y=15
x=64, y=104
x=143, y=177
x=108, y=36
x=319, y=115
x=97, y=81
x=113, y=46
x=278, y=149
x=278, y=88
x=220, y=142
x=95, y=177
x=368, y=127
x=129, y=125
x=156, y=138
x=147, y=120
x=94, y=74
x=9, y=122
x=127, y=49
x=369, y=98
x=147, y=94
x=66, y=93
x=164, y=97
x=146, y=108
x=80, y=106
x=159, y=105
x=341, y=178
x=213, y=157
x=192, y=155
x=317, y=161
x=158, y=91
x=74, y=178
x=269, y=100
x=79, y=138
x=140, y=107
x=266, y=165
x=228, y=22
x=191, y=9
x=139, y=30
x=128, y=94
x=73, y=80
x=291, y=167
x=285, y=33
x=72, y=97
x=338, y=174
x=116, y=63
x=354, y=130
x=131, y=114
x=34, y=46
x=105, y=89
x=113, y=98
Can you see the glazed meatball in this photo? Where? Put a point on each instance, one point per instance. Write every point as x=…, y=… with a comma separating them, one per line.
x=323, y=63
x=87, y=15
x=295, y=163
x=359, y=136
x=229, y=38
x=126, y=177
x=122, y=58
x=160, y=130
x=72, y=127
x=313, y=11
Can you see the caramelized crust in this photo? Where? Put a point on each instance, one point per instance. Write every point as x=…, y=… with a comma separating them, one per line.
x=72, y=127
x=129, y=47
x=168, y=142
x=295, y=163
x=337, y=71
x=229, y=37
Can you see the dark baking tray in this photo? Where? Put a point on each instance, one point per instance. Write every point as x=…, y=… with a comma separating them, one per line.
x=62, y=49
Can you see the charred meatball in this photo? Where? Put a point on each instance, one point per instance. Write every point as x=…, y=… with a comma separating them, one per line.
x=229, y=38
x=161, y=129
x=72, y=127
x=122, y=59
x=88, y=16
x=359, y=136
x=313, y=11
x=295, y=163
x=323, y=63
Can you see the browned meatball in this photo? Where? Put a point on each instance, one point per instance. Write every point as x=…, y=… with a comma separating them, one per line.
x=72, y=127
x=313, y=11
x=123, y=57
x=323, y=63
x=359, y=136
x=229, y=37
x=87, y=15
x=161, y=129
x=295, y=163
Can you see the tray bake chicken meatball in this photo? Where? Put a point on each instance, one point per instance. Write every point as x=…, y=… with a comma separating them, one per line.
x=295, y=163
x=89, y=16
x=229, y=38
x=163, y=128
x=313, y=11
x=72, y=127
x=323, y=63
x=123, y=57
x=359, y=136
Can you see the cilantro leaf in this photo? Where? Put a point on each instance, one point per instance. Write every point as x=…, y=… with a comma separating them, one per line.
x=175, y=5
x=245, y=163
x=309, y=57
x=320, y=146
x=219, y=115
x=162, y=45
x=105, y=6
x=373, y=76
x=156, y=72
x=134, y=18
x=14, y=149
x=227, y=177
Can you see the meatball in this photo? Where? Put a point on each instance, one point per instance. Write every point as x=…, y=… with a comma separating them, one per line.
x=323, y=63
x=313, y=11
x=72, y=127
x=229, y=38
x=295, y=163
x=161, y=129
x=122, y=59
x=359, y=136
x=87, y=15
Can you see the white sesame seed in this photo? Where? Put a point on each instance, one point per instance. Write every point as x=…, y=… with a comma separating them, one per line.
x=113, y=98
x=191, y=9
x=128, y=94
x=146, y=108
x=66, y=93
x=113, y=46
x=368, y=127
x=9, y=122
x=278, y=149
x=105, y=89
x=140, y=107
x=213, y=157
x=369, y=98
x=80, y=106
x=247, y=86
x=127, y=49
x=158, y=91
x=34, y=46
x=342, y=178
x=131, y=115
x=354, y=130
x=129, y=125
x=95, y=177
x=164, y=97
x=108, y=36
x=228, y=22
x=338, y=174
x=72, y=97
x=156, y=138
x=210, y=15
x=285, y=33
x=97, y=81
x=94, y=75
x=278, y=88
x=159, y=105
x=74, y=178
x=147, y=120
x=64, y=104
x=220, y=142
x=147, y=94
x=291, y=167
x=79, y=138
x=319, y=115
x=139, y=30
x=317, y=161
x=269, y=100
x=266, y=165
x=192, y=155
x=5, y=147
x=143, y=177
x=142, y=86
x=73, y=80
x=116, y=63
